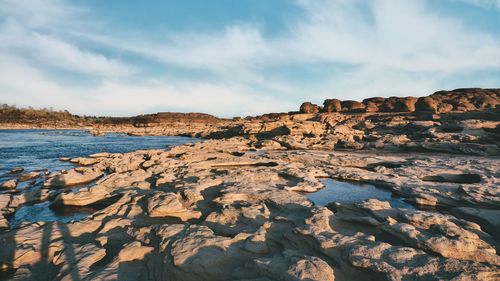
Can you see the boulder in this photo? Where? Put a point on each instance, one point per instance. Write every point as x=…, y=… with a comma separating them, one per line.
x=82, y=197
x=444, y=108
x=396, y=104
x=166, y=204
x=310, y=268
x=486, y=102
x=10, y=184
x=426, y=104
x=465, y=105
x=309, y=108
x=28, y=176
x=373, y=104
x=405, y=104
x=73, y=177
x=332, y=105
x=353, y=106
x=16, y=170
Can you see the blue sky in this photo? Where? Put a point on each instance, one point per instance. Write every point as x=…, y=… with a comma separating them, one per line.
x=237, y=58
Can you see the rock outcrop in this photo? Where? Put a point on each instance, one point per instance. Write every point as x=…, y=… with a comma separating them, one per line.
x=309, y=108
x=237, y=209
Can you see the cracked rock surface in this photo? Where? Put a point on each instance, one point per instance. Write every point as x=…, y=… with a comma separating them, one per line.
x=237, y=209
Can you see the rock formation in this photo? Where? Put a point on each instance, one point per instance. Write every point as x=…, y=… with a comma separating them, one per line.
x=308, y=108
x=236, y=210
x=236, y=207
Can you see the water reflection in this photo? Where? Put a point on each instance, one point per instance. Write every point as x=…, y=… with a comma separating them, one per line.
x=350, y=192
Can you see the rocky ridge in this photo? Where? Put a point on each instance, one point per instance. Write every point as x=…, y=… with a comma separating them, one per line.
x=463, y=121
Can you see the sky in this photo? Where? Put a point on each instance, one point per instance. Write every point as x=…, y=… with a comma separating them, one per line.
x=239, y=57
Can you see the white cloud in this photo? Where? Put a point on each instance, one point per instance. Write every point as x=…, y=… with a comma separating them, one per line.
x=27, y=86
x=400, y=35
x=41, y=13
x=403, y=35
x=486, y=4
x=33, y=35
x=393, y=48
x=67, y=56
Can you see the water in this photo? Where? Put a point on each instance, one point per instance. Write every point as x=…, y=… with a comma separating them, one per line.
x=42, y=212
x=41, y=149
x=349, y=192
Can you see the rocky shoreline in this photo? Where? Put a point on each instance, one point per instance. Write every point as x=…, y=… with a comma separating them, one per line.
x=235, y=207
x=462, y=121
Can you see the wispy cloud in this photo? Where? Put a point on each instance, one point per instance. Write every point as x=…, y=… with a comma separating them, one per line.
x=386, y=47
x=486, y=4
x=121, y=98
x=34, y=35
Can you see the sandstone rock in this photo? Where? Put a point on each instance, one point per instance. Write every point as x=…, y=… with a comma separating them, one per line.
x=4, y=223
x=489, y=219
x=442, y=235
x=352, y=106
x=233, y=220
x=96, y=132
x=426, y=104
x=168, y=205
x=395, y=104
x=82, y=161
x=73, y=177
x=77, y=261
x=268, y=145
x=426, y=200
x=309, y=108
x=28, y=176
x=487, y=101
x=134, y=251
x=249, y=219
x=293, y=266
x=373, y=104
x=374, y=205
x=332, y=105
x=444, y=108
x=16, y=170
x=200, y=254
x=464, y=104
x=311, y=268
x=10, y=184
x=403, y=263
x=469, y=99
x=83, y=197
x=101, y=155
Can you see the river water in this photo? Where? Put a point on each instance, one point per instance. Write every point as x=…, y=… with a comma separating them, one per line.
x=36, y=150
x=41, y=149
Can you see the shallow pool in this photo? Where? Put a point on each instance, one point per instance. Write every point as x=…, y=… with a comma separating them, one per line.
x=41, y=212
x=352, y=192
